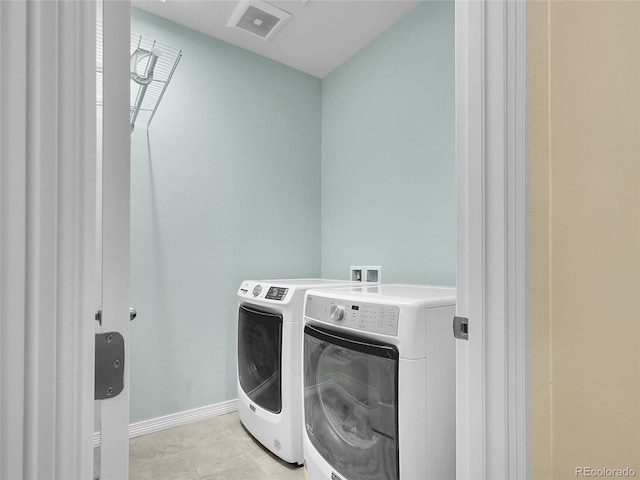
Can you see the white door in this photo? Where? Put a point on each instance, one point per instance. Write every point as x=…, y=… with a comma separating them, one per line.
x=112, y=413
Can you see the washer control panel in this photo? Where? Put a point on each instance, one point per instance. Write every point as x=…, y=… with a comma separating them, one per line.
x=368, y=317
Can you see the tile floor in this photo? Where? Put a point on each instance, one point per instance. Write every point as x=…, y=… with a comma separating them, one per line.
x=215, y=448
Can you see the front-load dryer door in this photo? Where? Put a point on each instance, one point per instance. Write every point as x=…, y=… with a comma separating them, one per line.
x=350, y=404
x=260, y=356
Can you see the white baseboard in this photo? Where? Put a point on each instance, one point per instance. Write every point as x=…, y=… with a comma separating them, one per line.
x=144, y=427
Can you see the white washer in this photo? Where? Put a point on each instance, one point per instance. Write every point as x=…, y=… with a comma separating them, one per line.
x=270, y=361
x=379, y=383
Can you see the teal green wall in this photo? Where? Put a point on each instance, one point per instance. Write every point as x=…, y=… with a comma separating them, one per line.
x=388, y=153
x=255, y=170
x=227, y=188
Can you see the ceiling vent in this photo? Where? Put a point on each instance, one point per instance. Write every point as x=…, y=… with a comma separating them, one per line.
x=258, y=18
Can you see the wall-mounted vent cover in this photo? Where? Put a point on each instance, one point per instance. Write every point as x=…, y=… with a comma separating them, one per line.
x=258, y=18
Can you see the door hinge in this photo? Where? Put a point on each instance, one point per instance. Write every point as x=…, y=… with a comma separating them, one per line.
x=109, y=369
x=461, y=328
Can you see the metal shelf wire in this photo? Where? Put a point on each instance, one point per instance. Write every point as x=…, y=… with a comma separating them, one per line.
x=144, y=98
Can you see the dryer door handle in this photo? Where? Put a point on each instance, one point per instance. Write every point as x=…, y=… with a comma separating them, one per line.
x=352, y=342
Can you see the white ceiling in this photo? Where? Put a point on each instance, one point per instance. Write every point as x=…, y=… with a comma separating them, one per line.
x=320, y=36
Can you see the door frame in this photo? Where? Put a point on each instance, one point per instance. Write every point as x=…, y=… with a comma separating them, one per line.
x=494, y=364
x=494, y=373
x=47, y=238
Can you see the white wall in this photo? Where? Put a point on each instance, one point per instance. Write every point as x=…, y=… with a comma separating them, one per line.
x=226, y=187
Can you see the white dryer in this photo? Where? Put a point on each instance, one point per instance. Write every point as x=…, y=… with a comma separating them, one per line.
x=379, y=383
x=270, y=361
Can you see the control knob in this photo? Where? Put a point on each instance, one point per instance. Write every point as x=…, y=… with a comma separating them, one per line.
x=336, y=313
x=257, y=289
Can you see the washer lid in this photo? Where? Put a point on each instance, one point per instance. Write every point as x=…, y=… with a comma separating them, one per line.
x=397, y=293
x=418, y=292
x=304, y=282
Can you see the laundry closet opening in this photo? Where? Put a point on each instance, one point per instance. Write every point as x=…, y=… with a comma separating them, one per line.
x=252, y=168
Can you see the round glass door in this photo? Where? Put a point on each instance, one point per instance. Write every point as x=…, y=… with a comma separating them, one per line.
x=350, y=403
x=260, y=356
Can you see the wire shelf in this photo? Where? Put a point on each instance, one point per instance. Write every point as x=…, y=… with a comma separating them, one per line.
x=144, y=96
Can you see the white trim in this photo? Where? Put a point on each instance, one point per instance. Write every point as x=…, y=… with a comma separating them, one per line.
x=494, y=374
x=470, y=218
x=152, y=425
x=47, y=240
x=13, y=144
x=518, y=203
x=114, y=412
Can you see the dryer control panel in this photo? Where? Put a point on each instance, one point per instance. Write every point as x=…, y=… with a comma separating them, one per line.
x=263, y=291
x=276, y=293
x=368, y=317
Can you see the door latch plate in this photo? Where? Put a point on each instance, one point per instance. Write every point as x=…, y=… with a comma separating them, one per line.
x=461, y=328
x=109, y=371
